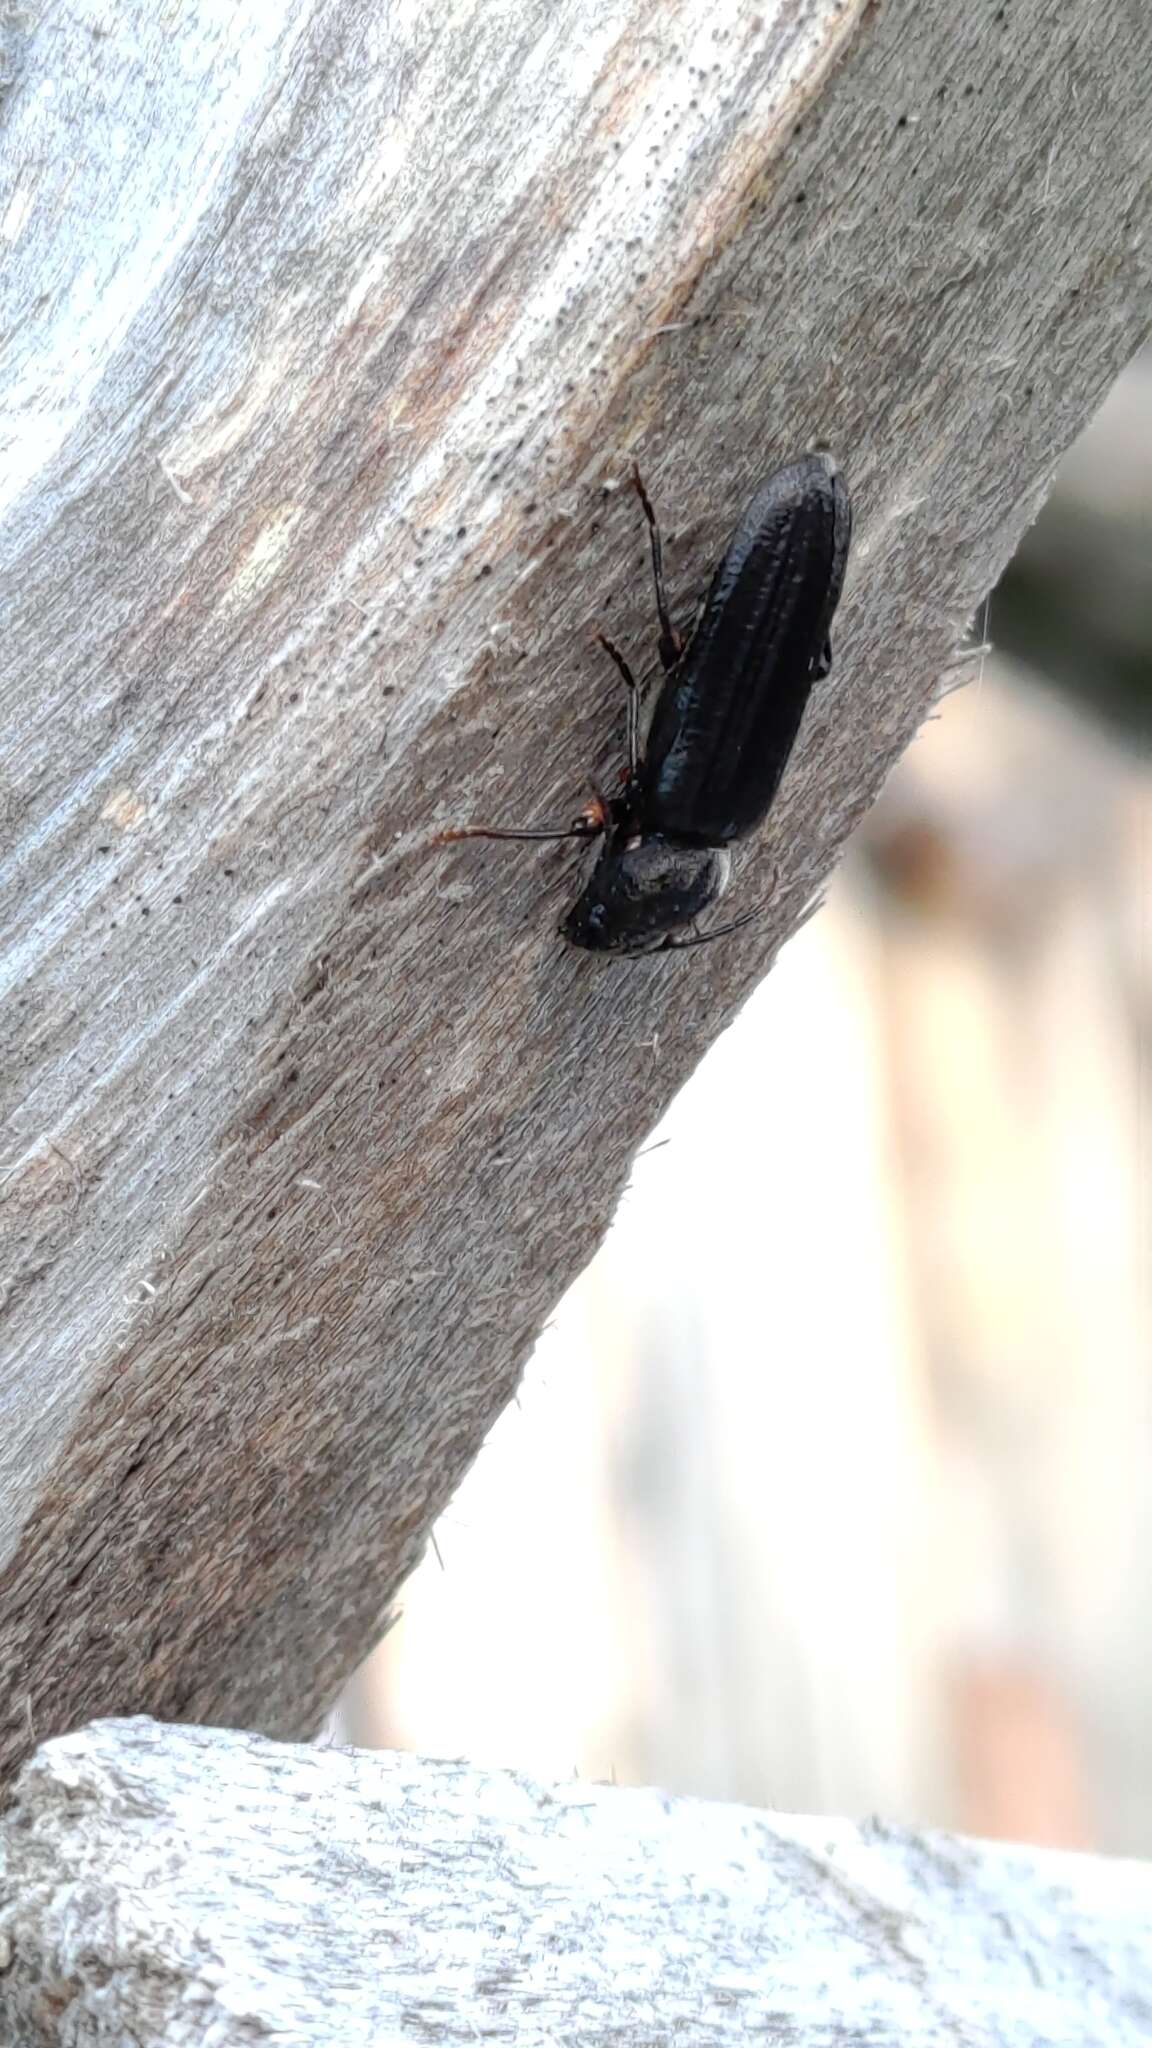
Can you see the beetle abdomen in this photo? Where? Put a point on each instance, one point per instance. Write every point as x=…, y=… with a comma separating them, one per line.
x=727, y=717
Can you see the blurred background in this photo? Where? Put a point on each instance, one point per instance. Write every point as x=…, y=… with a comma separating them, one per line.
x=853, y=1513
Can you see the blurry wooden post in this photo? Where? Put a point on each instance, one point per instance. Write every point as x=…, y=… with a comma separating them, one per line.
x=330, y=333
x=1014, y=845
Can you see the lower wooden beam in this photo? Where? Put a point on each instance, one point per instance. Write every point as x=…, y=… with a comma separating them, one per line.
x=169, y=1885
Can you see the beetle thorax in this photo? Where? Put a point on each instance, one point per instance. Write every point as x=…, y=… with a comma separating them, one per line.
x=641, y=889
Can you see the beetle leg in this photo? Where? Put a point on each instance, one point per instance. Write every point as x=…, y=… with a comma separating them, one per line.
x=671, y=944
x=633, y=689
x=823, y=661
x=674, y=945
x=720, y=931
x=671, y=643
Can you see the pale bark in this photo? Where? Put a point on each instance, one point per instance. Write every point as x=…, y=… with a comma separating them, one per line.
x=328, y=327
x=184, y=1887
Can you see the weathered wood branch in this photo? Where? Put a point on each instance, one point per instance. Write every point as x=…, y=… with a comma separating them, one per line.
x=329, y=329
x=183, y=1886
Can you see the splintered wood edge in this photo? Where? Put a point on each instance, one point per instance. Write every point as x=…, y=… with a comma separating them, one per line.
x=186, y=1885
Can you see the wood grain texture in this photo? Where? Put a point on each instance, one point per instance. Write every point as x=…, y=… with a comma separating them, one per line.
x=185, y=1887
x=329, y=329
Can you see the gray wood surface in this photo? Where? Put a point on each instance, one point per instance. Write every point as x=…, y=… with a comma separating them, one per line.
x=185, y=1887
x=330, y=330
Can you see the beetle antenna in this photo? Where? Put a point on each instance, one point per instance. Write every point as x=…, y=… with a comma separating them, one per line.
x=582, y=828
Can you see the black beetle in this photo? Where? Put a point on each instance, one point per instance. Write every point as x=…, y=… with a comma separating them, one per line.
x=723, y=725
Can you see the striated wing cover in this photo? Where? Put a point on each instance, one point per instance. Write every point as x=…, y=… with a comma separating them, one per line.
x=727, y=716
